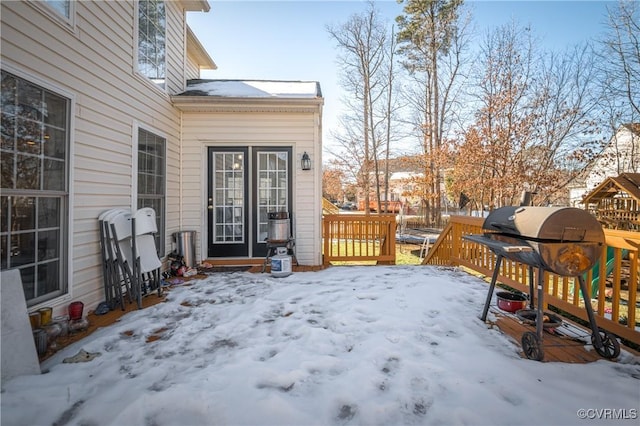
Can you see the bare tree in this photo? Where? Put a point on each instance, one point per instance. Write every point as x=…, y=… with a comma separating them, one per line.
x=534, y=127
x=431, y=39
x=564, y=130
x=618, y=57
x=364, y=60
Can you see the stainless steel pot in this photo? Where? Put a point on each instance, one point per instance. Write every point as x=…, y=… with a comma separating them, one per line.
x=278, y=226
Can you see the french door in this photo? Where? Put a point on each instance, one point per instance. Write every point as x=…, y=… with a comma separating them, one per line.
x=245, y=184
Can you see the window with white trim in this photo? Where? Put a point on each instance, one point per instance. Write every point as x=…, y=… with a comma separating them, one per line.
x=34, y=180
x=63, y=7
x=152, y=40
x=151, y=179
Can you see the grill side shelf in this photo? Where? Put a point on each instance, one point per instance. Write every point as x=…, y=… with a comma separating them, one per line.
x=498, y=245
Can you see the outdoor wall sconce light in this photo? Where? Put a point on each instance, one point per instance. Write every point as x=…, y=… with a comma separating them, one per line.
x=306, y=161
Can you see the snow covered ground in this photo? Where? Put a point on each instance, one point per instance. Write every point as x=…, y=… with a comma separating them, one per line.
x=384, y=345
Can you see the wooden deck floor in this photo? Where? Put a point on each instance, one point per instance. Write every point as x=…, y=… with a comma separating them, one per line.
x=557, y=348
x=568, y=343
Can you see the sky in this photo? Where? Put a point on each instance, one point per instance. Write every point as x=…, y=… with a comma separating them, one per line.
x=348, y=345
x=288, y=40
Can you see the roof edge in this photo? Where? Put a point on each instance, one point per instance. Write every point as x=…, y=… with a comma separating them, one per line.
x=243, y=104
x=198, y=51
x=195, y=5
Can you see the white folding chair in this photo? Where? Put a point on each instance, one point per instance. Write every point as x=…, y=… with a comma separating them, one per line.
x=120, y=225
x=113, y=279
x=144, y=249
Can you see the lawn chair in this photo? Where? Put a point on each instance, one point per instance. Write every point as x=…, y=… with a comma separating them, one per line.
x=113, y=281
x=119, y=223
x=148, y=264
x=136, y=262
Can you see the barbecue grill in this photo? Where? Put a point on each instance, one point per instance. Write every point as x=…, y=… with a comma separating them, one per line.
x=563, y=240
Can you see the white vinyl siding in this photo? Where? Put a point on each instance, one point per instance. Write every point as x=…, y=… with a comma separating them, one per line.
x=192, y=70
x=176, y=46
x=96, y=64
x=298, y=130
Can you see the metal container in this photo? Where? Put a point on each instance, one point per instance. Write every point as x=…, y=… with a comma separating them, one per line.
x=511, y=302
x=278, y=226
x=564, y=240
x=185, y=242
x=281, y=263
x=40, y=339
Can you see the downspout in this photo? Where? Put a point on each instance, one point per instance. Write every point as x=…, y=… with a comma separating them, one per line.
x=181, y=168
x=184, y=87
x=317, y=182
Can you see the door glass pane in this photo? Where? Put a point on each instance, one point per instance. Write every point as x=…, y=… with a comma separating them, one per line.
x=272, y=188
x=228, y=187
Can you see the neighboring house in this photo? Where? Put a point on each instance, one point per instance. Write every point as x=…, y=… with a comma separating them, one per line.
x=102, y=108
x=620, y=155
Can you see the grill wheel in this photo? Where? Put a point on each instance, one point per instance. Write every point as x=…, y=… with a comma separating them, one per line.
x=532, y=346
x=610, y=347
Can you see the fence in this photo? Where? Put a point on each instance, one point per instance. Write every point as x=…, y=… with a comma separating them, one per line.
x=612, y=283
x=359, y=237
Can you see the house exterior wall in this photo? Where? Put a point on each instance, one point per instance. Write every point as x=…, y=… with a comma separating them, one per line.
x=299, y=130
x=91, y=60
x=191, y=69
x=621, y=155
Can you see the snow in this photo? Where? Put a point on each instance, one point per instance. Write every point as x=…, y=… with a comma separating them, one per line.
x=255, y=88
x=364, y=345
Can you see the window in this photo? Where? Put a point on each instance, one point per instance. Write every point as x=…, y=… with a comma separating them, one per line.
x=273, y=187
x=151, y=179
x=34, y=181
x=63, y=7
x=152, y=40
x=229, y=187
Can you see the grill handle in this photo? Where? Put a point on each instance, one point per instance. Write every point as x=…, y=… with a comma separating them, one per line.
x=517, y=249
x=573, y=234
x=503, y=226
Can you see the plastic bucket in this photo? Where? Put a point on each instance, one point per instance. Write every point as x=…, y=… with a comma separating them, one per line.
x=75, y=310
x=45, y=316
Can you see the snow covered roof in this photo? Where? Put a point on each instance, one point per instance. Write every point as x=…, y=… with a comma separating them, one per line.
x=253, y=89
x=403, y=175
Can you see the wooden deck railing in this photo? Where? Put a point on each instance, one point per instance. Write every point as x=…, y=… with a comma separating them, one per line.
x=613, y=283
x=328, y=207
x=359, y=237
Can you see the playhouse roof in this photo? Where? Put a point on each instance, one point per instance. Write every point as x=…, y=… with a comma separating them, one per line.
x=628, y=183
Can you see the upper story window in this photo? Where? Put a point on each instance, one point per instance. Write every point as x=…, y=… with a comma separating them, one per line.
x=63, y=7
x=152, y=25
